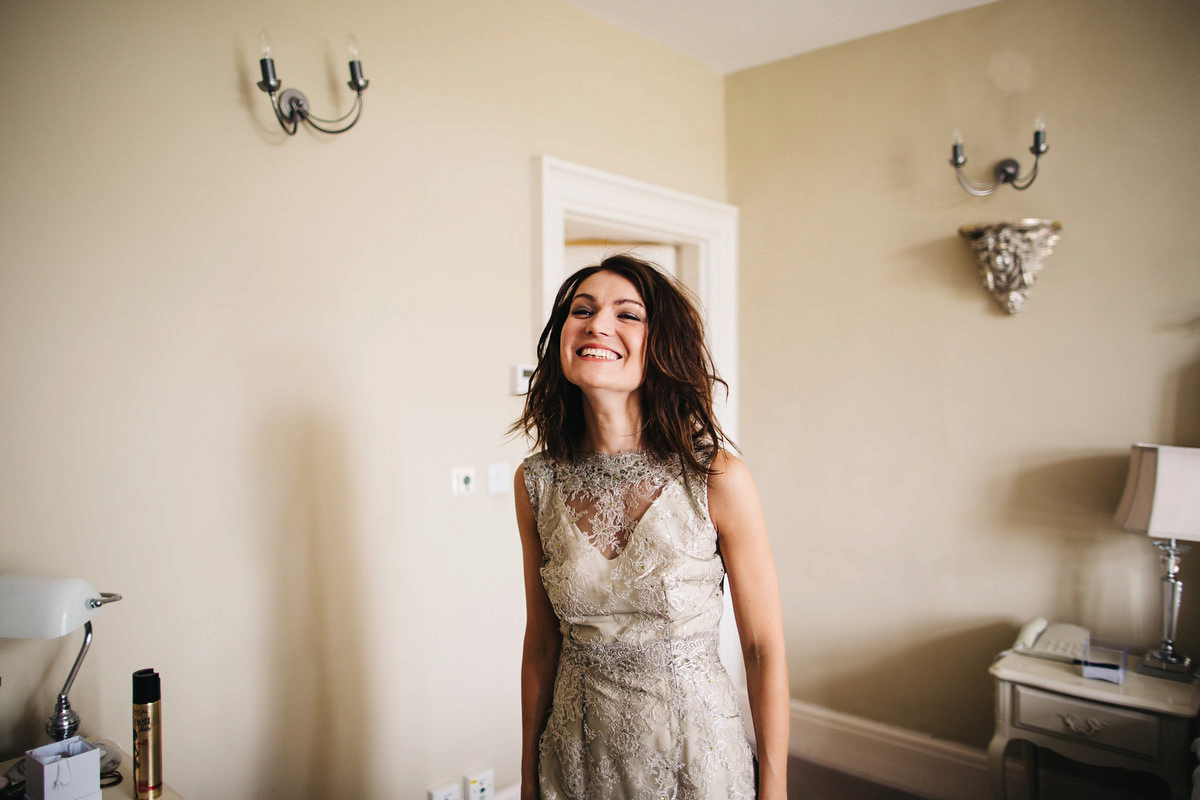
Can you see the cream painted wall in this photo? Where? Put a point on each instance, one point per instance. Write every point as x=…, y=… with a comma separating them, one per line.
x=937, y=473
x=237, y=368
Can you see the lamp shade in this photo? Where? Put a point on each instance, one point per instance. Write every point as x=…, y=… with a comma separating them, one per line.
x=35, y=607
x=1162, y=492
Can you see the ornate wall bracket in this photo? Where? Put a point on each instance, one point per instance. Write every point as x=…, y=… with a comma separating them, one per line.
x=1010, y=256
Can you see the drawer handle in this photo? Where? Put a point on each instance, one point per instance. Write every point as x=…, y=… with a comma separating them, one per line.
x=1084, y=726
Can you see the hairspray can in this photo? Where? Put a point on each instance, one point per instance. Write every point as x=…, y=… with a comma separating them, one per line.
x=147, y=735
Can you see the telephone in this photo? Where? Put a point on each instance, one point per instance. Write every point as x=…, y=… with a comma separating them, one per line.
x=1058, y=641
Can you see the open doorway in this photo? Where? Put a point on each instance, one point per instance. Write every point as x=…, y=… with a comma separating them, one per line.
x=583, y=205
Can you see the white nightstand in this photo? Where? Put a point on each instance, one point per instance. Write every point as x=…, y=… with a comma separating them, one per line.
x=1144, y=724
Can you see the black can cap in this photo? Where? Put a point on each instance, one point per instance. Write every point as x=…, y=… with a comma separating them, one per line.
x=146, y=687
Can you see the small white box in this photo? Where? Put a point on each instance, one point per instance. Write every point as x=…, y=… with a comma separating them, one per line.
x=1105, y=661
x=66, y=770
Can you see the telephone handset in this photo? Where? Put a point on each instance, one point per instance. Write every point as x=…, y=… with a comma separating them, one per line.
x=1058, y=641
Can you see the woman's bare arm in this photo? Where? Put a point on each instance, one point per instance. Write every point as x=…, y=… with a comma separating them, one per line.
x=539, y=659
x=754, y=586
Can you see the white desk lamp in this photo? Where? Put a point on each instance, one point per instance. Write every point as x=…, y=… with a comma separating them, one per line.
x=1162, y=500
x=34, y=607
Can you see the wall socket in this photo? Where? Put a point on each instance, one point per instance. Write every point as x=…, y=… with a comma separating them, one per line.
x=462, y=480
x=445, y=791
x=479, y=784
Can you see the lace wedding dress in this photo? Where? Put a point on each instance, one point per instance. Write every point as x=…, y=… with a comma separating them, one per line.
x=642, y=708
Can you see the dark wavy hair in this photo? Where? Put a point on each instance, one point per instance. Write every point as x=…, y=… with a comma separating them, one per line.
x=676, y=393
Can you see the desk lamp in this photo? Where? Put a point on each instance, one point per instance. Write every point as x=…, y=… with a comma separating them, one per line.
x=34, y=607
x=1162, y=500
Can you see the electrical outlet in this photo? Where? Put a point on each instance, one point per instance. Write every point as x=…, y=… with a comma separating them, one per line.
x=445, y=791
x=479, y=784
x=462, y=480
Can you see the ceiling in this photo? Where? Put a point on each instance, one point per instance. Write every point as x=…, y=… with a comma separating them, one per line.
x=730, y=35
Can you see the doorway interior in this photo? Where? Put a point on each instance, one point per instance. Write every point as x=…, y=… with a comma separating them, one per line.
x=579, y=206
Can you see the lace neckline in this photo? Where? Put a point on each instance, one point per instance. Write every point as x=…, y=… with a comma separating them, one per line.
x=606, y=494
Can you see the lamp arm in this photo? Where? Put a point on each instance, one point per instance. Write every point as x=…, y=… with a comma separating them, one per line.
x=357, y=102
x=64, y=722
x=356, y=110
x=1021, y=184
x=87, y=642
x=969, y=186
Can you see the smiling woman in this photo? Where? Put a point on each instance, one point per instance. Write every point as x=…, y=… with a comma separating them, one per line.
x=630, y=517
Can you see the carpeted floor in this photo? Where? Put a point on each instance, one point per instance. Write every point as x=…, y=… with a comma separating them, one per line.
x=807, y=781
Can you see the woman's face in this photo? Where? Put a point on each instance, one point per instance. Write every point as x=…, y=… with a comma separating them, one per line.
x=603, y=341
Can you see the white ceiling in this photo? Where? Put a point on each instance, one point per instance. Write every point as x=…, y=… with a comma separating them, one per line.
x=729, y=35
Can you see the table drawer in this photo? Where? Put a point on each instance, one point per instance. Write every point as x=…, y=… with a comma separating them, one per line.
x=1095, y=723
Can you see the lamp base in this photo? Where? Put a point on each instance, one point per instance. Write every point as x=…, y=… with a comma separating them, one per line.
x=64, y=722
x=1170, y=666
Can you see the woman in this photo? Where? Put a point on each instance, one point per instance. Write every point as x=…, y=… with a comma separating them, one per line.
x=630, y=516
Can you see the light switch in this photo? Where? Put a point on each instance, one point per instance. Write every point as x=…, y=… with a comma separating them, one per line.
x=499, y=477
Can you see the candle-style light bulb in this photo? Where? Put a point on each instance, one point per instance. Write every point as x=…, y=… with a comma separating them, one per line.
x=1039, y=136
x=269, y=82
x=357, y=81
x=956, y=151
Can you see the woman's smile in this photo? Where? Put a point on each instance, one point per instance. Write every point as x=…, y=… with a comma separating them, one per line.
x=598, y=352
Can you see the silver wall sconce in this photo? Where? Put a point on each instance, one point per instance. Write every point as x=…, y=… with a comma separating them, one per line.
x=1006, y=171
x=1010, y=256
x=291, y=106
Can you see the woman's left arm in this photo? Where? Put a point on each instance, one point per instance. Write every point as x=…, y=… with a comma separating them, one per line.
x=754, y=586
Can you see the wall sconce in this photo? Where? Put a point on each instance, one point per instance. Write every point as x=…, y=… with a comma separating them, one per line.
x=291, y=107
x=1005, y=171
x=1010, y=256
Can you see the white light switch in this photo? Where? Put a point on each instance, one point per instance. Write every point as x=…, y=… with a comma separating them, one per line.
x=519, y=379
x=499, y=477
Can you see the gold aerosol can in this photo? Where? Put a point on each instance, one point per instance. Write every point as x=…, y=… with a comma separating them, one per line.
x=147, y=735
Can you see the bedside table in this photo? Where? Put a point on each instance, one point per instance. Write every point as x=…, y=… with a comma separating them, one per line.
x=1144, y=724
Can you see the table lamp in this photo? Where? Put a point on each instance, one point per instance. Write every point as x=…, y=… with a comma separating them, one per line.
x=35, y=607
x=1162, y=500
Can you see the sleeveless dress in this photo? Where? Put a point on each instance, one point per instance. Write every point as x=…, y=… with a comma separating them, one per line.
x=642, y=708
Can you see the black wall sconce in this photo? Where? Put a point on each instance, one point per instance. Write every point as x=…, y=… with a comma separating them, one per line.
x=291, y=106
x=1005, y=171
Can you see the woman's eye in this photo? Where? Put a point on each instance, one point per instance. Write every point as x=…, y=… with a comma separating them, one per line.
x=631, y=317
x=580, y=312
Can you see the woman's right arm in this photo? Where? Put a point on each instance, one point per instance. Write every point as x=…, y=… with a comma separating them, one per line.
x=539, y=659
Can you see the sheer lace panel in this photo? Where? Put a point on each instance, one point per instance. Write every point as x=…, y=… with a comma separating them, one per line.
x=607, y=495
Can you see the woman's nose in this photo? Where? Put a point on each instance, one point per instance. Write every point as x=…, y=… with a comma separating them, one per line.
x=600, y=323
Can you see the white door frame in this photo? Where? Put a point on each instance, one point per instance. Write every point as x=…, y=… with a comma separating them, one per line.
x=705, y=230
x=629, y=210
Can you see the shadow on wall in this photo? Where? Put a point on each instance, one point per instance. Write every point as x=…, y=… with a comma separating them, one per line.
x=1183, y=388
x=949, y=265
x=315, y=706
x=924, y=686
x=1107, y=579
x=23, y=724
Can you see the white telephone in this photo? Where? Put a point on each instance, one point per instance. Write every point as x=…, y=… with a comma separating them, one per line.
x=1059, y=641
